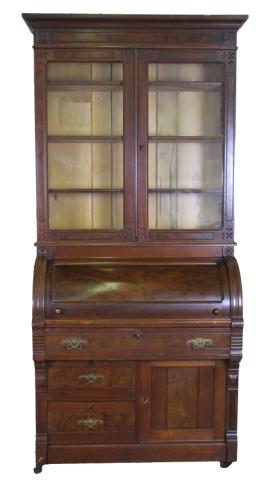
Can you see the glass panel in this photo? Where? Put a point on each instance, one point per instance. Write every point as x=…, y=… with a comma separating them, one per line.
x=185, y=72
x=184, y=113
x=89, y=111
x=177, y=210
x=86, y=211
x=85, y=71
x=85, y=165
x=185, y=165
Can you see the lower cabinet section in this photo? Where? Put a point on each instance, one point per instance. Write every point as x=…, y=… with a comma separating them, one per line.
x=166, y=402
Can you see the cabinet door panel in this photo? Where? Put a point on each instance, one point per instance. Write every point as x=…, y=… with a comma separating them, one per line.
x=182, y=400
x=181, y=155
x=88, y=171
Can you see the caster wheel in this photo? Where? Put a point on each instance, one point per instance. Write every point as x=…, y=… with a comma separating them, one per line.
x=225, y=464
x=37, y=469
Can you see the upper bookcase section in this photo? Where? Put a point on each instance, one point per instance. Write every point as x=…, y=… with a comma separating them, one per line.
x=195, y=31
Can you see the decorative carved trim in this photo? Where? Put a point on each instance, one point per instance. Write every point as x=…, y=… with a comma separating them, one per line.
x=227, y=233
x=128, y=55
x=129, y=233
x=144, y=56
x=39, y=291
x=233, y=379
x=237, y=323
x=236, y=343
x=42, y=252
x=228, y=38
x=230, y=60
x=41, y=36
x=228, y=251
x=41, y=56
x=143, y=234
x=38, y=338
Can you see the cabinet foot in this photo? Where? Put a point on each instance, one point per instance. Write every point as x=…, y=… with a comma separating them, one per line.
x=38, y=468
x=225, y=464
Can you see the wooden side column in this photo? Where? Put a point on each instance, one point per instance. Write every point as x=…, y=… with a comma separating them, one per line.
x=40, y=363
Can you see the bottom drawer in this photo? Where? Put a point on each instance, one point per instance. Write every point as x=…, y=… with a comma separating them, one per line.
x=91, y=422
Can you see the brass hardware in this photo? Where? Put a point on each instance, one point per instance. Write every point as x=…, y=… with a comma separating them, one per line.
x=138, y=334
x=74, y=343
x=91, y=378
x=216, y=311
x=197, y=343
x=90, y=423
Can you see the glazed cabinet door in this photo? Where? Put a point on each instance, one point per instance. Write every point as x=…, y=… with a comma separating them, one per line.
x=182, y=400
x=88, y=169
x=181, y=119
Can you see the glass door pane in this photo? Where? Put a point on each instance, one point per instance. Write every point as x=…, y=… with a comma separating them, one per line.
x=85, y=145
x=185, y=147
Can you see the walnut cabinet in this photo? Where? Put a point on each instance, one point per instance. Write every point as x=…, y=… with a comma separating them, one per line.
x=137, y=304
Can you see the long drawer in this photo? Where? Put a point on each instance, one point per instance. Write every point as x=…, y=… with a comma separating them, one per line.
x=118, y=343
x=91, y=381
x=91, y=422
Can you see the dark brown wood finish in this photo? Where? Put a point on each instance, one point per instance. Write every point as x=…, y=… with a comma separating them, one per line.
x=137, y=332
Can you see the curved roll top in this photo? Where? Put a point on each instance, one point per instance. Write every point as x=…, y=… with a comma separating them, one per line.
x=202, y=288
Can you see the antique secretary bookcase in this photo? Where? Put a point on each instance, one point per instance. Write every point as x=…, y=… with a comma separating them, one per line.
x=137, y=306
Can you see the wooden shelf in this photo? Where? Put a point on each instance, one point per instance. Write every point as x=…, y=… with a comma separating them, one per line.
x=186, y=86
x=83, y=82
x=183, y=190
x=218, y=138
x=84, y=138
x=85, y=190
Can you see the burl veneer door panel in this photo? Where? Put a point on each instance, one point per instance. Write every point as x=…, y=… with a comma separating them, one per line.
x=182, y=401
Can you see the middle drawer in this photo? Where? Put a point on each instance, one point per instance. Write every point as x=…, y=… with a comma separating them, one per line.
x=140, y=344
x=91, y=380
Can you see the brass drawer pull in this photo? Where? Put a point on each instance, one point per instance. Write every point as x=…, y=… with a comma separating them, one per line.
x=91, y=378
x=90, y=423
x=198, y=343
x=74, y=343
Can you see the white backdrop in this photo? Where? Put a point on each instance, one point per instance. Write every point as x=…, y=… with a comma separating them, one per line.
x=17, y=422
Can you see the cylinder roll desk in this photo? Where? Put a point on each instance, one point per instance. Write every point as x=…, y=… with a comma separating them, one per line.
x=137, y=305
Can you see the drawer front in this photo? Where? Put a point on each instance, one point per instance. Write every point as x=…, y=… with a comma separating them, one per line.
x=138, y=344
x=86, y=422
x=91, y=382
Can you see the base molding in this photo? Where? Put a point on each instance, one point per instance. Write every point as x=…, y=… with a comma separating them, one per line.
x=136, y=453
